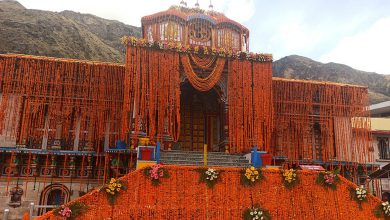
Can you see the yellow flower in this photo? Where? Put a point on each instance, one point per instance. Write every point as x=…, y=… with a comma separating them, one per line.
x=114, y=184
x=247, y=170
x=256, y=172
x=252, y=168
x=119, y=185
x=253, y=179
x=112, y=180
x=107, y=190
x=112, y=193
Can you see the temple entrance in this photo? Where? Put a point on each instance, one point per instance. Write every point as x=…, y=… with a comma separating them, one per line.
x=200, y=119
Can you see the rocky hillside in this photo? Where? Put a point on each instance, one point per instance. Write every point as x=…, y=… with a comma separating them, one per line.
x=83, y=36
x=65, y=34
x=298, y=67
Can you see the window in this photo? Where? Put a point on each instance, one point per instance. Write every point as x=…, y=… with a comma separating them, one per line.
x=383, y=147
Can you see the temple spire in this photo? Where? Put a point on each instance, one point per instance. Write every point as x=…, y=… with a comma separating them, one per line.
x=211, y=6
x=197, y=4
x=183, y=3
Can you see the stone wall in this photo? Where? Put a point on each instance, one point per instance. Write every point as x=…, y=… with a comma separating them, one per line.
x=34, y=193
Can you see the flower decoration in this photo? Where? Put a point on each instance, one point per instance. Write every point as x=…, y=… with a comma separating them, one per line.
x=155, y=173
x=113, y=188
x=255, y=213
x=383, y=209
x=328, y=178
x=359, y=194
x=203, y=50
x=70, y=212
x=209, y=176
x=290, y=178
x=251, y=176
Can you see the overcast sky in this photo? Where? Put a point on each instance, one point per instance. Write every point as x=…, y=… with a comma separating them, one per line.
x=352, y=32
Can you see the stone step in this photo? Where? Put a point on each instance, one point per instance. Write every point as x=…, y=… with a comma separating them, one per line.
x=210, y=163
x=195, y=158
x=200, y=155
x=197, y=152
x=233, y=160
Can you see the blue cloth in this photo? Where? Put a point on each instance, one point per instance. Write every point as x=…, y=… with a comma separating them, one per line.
x=255, y=158
x=158, y=151
x=120, y=144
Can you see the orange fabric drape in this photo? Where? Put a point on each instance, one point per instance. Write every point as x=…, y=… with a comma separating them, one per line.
x=321, y=121
x=250, y=105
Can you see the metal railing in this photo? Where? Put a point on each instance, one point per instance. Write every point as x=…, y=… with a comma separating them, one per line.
x=33, y=206
x=5, y=215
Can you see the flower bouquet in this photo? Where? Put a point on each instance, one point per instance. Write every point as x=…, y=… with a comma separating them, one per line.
x=383, y=209
x=113, y=188
x=155, y=173
x=70, y=212
x=256, y=213
x=250, y=176
x=359, y=194
x=209, y=176
x=290, y=178
x=328, y=178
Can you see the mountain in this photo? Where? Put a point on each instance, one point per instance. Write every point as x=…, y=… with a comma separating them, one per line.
x=84, y=36
x=298, y=67
x=65, y=34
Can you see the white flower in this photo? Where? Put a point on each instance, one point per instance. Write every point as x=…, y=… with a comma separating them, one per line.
x=262, y=218
x=251, y=213
x=257, y=217
x=255, y=212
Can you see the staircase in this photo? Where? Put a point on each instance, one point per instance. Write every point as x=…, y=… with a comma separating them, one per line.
x=195, y=158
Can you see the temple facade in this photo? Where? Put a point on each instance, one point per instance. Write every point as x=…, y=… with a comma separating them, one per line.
x=190, y=82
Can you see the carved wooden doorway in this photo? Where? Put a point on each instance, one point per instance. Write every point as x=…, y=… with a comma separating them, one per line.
x=200, y=115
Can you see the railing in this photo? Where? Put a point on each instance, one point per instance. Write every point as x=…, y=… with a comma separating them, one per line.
x=33, y=206
x=5, y=215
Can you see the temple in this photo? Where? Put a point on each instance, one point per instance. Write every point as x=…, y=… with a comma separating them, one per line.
x=189, y=85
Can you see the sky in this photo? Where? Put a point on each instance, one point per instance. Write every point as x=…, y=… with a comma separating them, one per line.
x=351, y=32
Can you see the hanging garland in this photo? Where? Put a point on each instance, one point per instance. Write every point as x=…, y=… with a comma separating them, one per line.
x=202, y=50
x=43, y=93
x=152, y=94
x=331, y=114
x=202, y=84
x=250, y=105
x=203, y=62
